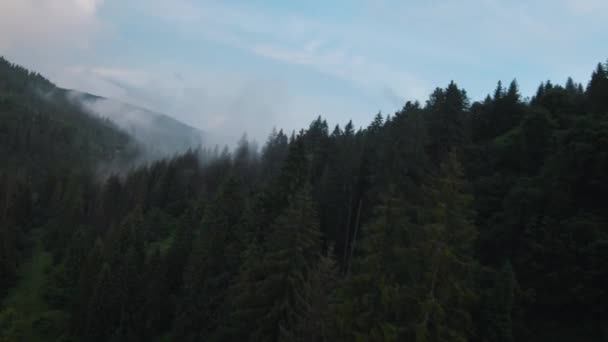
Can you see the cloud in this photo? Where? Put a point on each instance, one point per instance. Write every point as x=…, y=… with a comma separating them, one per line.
x=392, y=96
x=291, y=39
x=587, y=6
x=284, y=65
x=224, y=105
x=363, y=50
x=44, y=24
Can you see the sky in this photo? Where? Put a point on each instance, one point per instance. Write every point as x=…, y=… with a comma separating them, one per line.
x=229, y=67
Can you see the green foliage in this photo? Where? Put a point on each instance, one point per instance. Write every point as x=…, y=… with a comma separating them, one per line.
x=268, y=297
x=448, y=221
x=414, y=277
x=37, y=120
x=212, y=267
x=25, y=314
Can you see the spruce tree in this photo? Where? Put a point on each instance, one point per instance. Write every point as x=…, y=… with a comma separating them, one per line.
x=414, y=276
x=269, y=297
x=101, y=311
x=498, y=306
x=597, y=90
x=446, y=120
x=445, y=286
x=212, y=266
x=317, y=320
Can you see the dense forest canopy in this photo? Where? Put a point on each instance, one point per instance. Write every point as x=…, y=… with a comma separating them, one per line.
x=450, y=220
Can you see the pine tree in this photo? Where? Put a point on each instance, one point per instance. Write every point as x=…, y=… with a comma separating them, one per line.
x=270, y=202
x=446, y=120
x=268, y=298
x=570, y=86
x=597, y=90
x=8, y=256
x=273, y=155
x=129, y=234
x=446, y=246
x=112, y=207
x=87, y=282
x=540, y=93
x=101, y=311
x=129, y=284
x=498, y=307
x=369, y=305
x=513, y=92
x=376, y=125
x=212, y=266
x=499, y=91
x=176, y=259
x=155, y=314
x=317, y=321
x=63, y=280
x=414, y=276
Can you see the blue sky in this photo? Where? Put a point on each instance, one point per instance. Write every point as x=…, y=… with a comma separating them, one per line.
x=234, y=66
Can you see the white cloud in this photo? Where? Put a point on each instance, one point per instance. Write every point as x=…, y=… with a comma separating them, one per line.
x=293, y=39
x=465, y=34
x=387, y=52
x=89, y=6
x=222, y=104
x=588, y=6
x=44, y=24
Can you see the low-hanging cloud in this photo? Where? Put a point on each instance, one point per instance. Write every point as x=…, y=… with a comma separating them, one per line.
x=285, y=67
x=156, y=135
x=224, y=106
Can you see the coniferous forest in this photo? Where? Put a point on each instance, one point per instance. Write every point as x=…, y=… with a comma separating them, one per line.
x=449, y=220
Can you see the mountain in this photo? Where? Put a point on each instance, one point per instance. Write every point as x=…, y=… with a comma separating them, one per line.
x=448, y=221
x=45, y=124
x=159, y=134
x=41, y=129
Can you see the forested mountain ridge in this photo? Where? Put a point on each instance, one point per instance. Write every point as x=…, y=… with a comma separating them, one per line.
x=46, y=141
x=158, y=134
x=448, y=221
x=40, y=126
x=102, y=128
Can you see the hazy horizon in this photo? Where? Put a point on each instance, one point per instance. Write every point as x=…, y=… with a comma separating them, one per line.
x=233, y=67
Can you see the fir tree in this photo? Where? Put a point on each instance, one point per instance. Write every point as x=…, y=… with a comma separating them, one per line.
x=271, y=291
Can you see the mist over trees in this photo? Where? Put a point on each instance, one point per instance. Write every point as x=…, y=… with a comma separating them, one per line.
x=450, y=220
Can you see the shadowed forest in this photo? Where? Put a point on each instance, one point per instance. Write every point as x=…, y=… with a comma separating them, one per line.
x=449, y=220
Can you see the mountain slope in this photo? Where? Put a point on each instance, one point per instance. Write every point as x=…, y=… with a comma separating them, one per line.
x=42, y=123
x=41, y=129
x=159, y=134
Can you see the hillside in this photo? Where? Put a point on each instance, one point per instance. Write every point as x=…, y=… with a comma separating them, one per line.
x=451, y=220
x=158, y=134
x=39, y=128
x=35, y=113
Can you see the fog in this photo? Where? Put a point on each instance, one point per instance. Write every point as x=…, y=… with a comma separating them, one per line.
x=156, y=134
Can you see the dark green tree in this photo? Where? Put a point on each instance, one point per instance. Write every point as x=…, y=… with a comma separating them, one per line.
x=597, y=90
x=268, y=300
x=212, y=266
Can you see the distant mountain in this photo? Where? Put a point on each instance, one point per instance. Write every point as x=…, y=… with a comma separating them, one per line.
x=42, y=126
x=159, y=134
x=40, y=129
